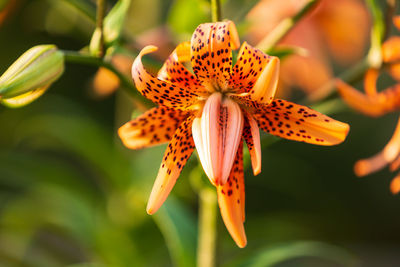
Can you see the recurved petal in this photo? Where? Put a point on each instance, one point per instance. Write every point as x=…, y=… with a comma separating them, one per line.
x=296, y=122
x=175, y=72
x=382, y=103
x=217, y=134
x=211, y=53
x=231, y=200
x=251, y=134
x=257, y=74
x=160, y=92
x=395, y=185
x=153, y=127
x=176, y=155
x=390, y=152
x=391, y=49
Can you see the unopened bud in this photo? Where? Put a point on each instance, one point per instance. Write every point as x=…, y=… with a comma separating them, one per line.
x=31, y=74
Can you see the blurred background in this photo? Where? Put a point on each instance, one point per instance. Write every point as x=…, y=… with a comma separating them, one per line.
x=72, y=195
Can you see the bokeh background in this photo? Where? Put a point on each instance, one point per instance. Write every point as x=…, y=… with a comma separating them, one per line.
x=72, y=195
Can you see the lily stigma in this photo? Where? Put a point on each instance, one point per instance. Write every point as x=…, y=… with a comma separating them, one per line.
x=215, y=109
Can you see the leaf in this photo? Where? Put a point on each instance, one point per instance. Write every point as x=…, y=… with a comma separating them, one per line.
x=179, y=230
x=289, y=251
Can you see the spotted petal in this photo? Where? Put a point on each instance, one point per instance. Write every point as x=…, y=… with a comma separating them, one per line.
x=154, y=127
x=176, y=155
x=211, y=53
x=249, y=66
x=296, y=122
x=251, y=134
x=175, y=72
x=231, y=200
x=158, y=91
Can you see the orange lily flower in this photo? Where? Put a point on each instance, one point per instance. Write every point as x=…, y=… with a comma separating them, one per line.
x=214, y=110
x=375, y=104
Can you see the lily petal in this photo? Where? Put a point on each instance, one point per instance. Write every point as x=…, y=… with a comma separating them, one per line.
x=211, y=53
x=217, y=134
x=175, y=72
x=389, y=153
x=370, y=79
x=382, y=103
x=395, y=185
x=251, y=134
x=296, y=122
x=153, y=127
x=177, y=154
x=158, y=91
x=258, y=73
x=231, y=200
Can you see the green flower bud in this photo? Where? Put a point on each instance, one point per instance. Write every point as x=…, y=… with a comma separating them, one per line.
x=31, y=74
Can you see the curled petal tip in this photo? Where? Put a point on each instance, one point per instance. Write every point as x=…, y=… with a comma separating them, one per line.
x=395, y=185
x=362, y=168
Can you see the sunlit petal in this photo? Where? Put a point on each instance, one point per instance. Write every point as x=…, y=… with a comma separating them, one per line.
x=390, y=152
x=175, y=72
x=251, y=134
x=296, y=122
x=158, y=91
x=176, y=155
x=395, y=185
x=231, y=200
x=211, y=53
x=154, y=127
x=384, y=102
x=217, y=136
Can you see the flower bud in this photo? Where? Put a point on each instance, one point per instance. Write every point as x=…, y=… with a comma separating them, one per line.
x=31, y=74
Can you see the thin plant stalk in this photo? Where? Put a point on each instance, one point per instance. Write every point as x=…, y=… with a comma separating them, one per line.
x=101, y=9
x=284, y=27
x=215, y=10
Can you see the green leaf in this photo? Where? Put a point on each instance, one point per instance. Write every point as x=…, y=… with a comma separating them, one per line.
x=85, y=7
x=179, y=230
x=295, y=250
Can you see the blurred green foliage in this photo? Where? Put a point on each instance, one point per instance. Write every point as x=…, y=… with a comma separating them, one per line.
x=71, y=195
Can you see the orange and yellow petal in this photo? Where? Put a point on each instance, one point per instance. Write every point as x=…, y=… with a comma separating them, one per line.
x=299, y=123
x=153, y=127
x=391, y=49
x=251, y=134
x=159, y=91
x=231, y=200
x=370, y=80
x=255, y=74
x=382, y=103
x=176, y=155
x=175, y=72
x=395, y=185
x=389, y=153
x=211, y=53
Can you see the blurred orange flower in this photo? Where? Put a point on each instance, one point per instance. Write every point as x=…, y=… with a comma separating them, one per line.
x=215, y=110
x=374, y=103
x=337, y=28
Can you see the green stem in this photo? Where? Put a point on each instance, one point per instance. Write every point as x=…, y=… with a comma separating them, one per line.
x=284, y=27
x=207, y=227
x=76, y=57
x=101, y=9
x=216, y=10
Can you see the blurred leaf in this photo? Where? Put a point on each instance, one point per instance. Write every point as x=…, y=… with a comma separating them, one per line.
x=85, y=7
x=179, y=230
x=294, y=250
x=114, y=21
x=186, y=15
x=3, y=3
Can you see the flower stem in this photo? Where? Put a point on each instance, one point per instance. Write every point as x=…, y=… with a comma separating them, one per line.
x=284, y=27
x=84, y=59
x=215, y=10
x=101, y=9
x=207, y=227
